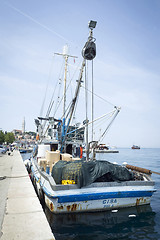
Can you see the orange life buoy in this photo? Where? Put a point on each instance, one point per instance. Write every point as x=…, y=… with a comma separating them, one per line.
x=37, y=137
x=81, y=152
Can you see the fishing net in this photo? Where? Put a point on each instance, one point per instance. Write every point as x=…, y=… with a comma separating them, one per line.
x=84, y=173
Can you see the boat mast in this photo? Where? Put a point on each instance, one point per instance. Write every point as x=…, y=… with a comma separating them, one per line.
x=71, y=109
x=64, y=100
x=66, y=56
x=65, y=78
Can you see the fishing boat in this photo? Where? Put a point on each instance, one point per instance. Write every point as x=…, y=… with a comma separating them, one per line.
x=135, y=147
x=68, y=182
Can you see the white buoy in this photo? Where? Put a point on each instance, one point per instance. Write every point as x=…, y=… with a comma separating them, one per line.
x=124, y=163
x=132, y=215
x=115, y=210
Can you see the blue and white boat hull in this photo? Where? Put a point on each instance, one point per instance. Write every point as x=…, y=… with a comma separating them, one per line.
x=98, y=196
x=100, y=201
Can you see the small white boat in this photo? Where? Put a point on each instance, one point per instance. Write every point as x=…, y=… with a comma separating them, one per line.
x=103, y=148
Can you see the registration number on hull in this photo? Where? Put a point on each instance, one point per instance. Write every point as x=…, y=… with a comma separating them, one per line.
x=109, y=202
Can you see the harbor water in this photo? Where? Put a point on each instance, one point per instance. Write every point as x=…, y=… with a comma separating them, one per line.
x=141, y=222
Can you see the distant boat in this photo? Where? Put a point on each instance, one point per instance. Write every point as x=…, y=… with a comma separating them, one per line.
x=135, y=147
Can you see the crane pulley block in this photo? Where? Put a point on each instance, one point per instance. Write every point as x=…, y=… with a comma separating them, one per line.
x=89, y=50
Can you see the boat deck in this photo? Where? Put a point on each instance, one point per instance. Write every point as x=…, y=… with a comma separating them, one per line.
x=61, y=187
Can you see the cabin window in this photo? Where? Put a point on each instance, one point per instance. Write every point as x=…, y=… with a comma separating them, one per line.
x=69, y=149
x=54, y=147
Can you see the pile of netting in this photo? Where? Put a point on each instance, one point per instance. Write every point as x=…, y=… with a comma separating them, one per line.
x=84, y=173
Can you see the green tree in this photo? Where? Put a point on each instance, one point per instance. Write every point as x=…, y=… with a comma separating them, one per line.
x=9, y=137
x=2, y=139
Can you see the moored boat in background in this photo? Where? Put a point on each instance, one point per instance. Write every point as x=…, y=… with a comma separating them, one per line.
x=103, y=148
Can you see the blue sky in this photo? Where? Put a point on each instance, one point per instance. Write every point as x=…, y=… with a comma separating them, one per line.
x=126, y=68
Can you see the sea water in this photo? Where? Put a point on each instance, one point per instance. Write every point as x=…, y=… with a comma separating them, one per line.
x=141, y=222
x=26, y=156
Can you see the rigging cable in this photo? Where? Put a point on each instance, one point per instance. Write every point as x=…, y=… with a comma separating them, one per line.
x=99, y=97
x=52, y=98
x=101, y=122
x=42, y=107
x=66, y=91
x=92, y=101
x=106, y=130
x=97, y=119
x=86, y=100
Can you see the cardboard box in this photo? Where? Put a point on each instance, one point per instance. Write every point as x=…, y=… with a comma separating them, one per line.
x=42, y=163
x=66, y=157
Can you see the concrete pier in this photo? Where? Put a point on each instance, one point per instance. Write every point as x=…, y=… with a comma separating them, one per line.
x=21, y=214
